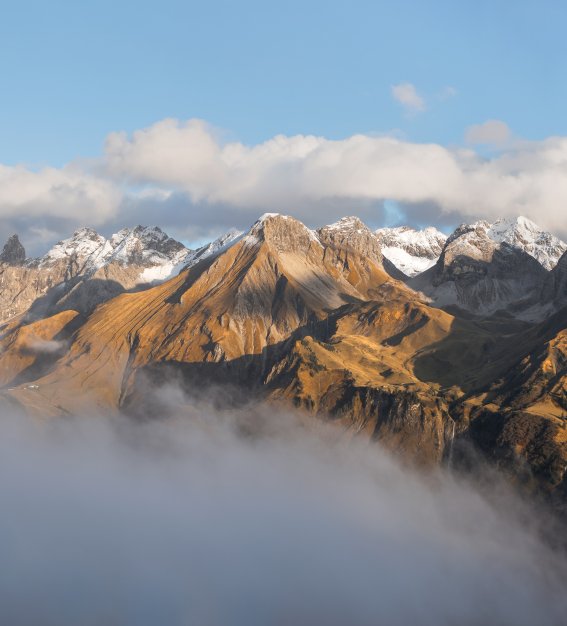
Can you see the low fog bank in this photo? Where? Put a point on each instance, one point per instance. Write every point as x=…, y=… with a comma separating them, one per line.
x=248, y=518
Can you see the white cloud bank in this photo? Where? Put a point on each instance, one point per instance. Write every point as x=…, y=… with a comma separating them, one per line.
x=293, y=173
x=198, y=181
x=56, y=193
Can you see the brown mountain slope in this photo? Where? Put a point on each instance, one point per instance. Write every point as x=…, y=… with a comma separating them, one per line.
x=314, y=321
x=310, y=320
x=277, y=279
x=27, y=349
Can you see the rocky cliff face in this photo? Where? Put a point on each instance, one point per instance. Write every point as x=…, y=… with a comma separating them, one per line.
x=480, y=271
x=351, y=234
x=554, y=292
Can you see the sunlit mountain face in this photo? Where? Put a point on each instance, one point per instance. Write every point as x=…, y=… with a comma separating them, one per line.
x=467, y=355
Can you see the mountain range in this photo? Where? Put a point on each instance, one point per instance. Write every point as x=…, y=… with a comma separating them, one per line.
x=439, y=347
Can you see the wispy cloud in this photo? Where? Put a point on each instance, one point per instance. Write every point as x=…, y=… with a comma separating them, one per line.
x=447, y=93
x=407, y=95
x=38, y=345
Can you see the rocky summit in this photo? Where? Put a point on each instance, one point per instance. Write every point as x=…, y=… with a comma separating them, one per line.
x=484, y=268
x=13, y=252
x=467, y=358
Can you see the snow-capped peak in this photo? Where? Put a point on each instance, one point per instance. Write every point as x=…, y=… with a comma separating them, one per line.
x=146, y=246
x=266, y=216
x=520, y=233
x=348, y=223
x=414, y=251
x=411, y=251
x=86, y=251
x=85, y=248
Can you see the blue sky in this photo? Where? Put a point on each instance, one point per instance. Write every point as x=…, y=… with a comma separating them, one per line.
x=461, y=105
x=74, y=71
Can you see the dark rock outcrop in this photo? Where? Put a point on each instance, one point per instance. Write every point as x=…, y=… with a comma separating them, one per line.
x=13, y=252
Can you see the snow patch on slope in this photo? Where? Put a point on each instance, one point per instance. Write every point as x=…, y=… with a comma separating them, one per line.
x=410, y=265
x=411, y=251
x=215, y=247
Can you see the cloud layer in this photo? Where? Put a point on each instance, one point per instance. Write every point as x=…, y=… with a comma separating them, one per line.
x=184, y=177
x=301, y=173
x=190, y=522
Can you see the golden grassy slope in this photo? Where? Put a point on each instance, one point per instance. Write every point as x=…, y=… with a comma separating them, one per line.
x=325, y=329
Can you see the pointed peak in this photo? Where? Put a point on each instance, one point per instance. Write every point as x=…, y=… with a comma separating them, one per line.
x=148, y=235
x=12, y=239
x=503, y=227
x=350, y=223
x=268, y=219
x=267, y=216
x=283, y=231
x=13, y=252
x=513, y=222
x=82, y=244
x=145, y=245
x=85, y=233
x=148, y=231
x=433, y=231
x=351, y=233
